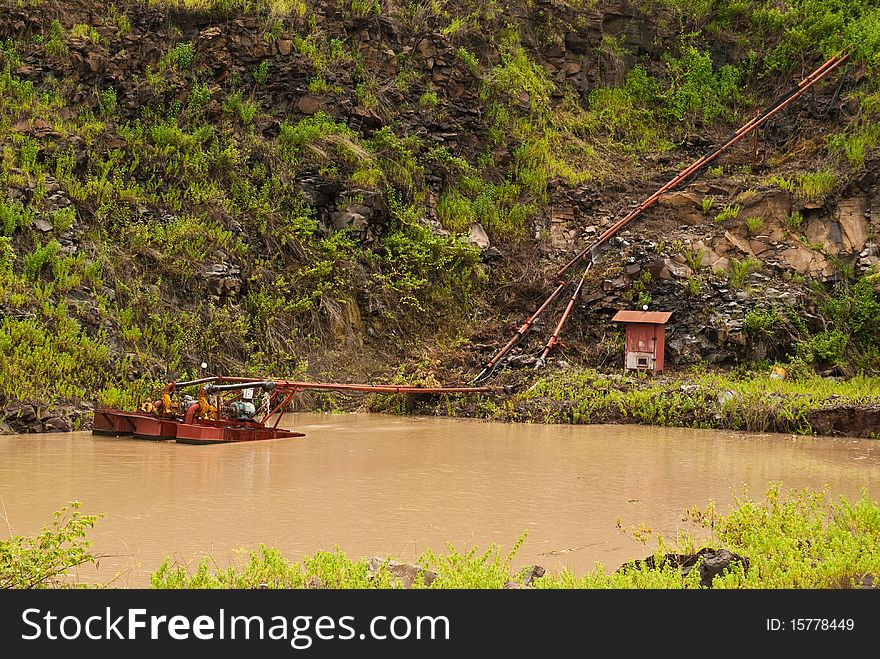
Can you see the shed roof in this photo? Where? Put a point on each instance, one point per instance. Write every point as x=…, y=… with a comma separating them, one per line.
x=655, y=317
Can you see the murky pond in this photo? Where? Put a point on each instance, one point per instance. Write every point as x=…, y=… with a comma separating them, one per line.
x=383, y=485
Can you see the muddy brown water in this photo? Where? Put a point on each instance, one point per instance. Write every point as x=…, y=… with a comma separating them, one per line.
x=376, y=485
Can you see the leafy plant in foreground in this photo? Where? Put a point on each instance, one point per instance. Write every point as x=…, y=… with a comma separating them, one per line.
x=46, y=559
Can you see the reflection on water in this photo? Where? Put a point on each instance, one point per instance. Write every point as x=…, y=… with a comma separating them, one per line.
x=382, y=485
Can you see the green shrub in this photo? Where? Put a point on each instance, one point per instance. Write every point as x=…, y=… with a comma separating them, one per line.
x=182, y=55
x=63, y=219
x=261, y=73
x=856, y=143
x=42, y=257
x=51, y=359
x=794, y=220
x=628, y=113
x=14, y=216
x=827, y=347
x=199, y=96
x=421, y=269
x=107, y=101
x=428, y=99
x=729, y=212
x=455, y=211
x=311, y=132
x=754, y=224
x=47, y=559
x=237, y=106
x=739, y=270
x=696, y=89
x=799, y=539
x=7, y=255
x=694, y=259
x=469, y=59
x=815, y=185
x=84, y=31
x=852, y=316
x=56, y=42
x=761, y=322
x=363, y=8
x=518, y=74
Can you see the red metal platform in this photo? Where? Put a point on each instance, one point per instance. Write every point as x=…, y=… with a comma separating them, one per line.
x=212, y=420
x=220, y=431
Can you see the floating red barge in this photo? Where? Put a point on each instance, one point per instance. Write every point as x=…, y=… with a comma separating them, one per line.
x=209, y=419
x=117, y=423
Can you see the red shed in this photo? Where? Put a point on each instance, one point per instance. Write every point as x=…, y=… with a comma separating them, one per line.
x=645, y=331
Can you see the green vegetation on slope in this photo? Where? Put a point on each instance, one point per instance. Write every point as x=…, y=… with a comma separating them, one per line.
x=167, y=199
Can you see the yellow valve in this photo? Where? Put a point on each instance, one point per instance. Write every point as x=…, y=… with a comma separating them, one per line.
x=206, y=410
x=166, y=403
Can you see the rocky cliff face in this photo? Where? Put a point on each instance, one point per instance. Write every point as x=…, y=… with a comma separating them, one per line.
x=279, y=191
x=712, y=274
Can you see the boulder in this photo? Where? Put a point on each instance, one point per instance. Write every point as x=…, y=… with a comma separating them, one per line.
x=772, y=206
x=758, y=247
x=740, y=244
x=349, y=220
x=708, y=257
x=685, y=206
x=721, y=265
x=677, y=269
x=310, y=104
x=478, y=236
x=678, y=200
x=712, y=562
x=853, y=223
x=405, y=573
x=223, y=279
x=57, y=424
x=527, y=576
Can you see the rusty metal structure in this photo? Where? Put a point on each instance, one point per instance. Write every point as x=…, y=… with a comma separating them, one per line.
x=588, y=255
x=234, y=409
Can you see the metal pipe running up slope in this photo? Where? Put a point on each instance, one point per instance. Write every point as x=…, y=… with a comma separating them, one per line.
x=553, y=341
x=297, y=385
x=688, y=172
x=704, y=161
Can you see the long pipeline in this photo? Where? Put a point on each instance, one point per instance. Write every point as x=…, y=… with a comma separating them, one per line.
x=493, y=363
x=266, y=385
x=297, y=385
x=554, y=338
x=704, y=161
x=781, y=102
x=189, y=383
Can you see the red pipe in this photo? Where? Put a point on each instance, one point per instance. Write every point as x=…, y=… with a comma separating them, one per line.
x=385, y=388
x=554, y=338
x=518, y=336
x=744, y=130
x=297, y=385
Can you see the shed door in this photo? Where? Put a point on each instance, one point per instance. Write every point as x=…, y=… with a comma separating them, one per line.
x=640, y=338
